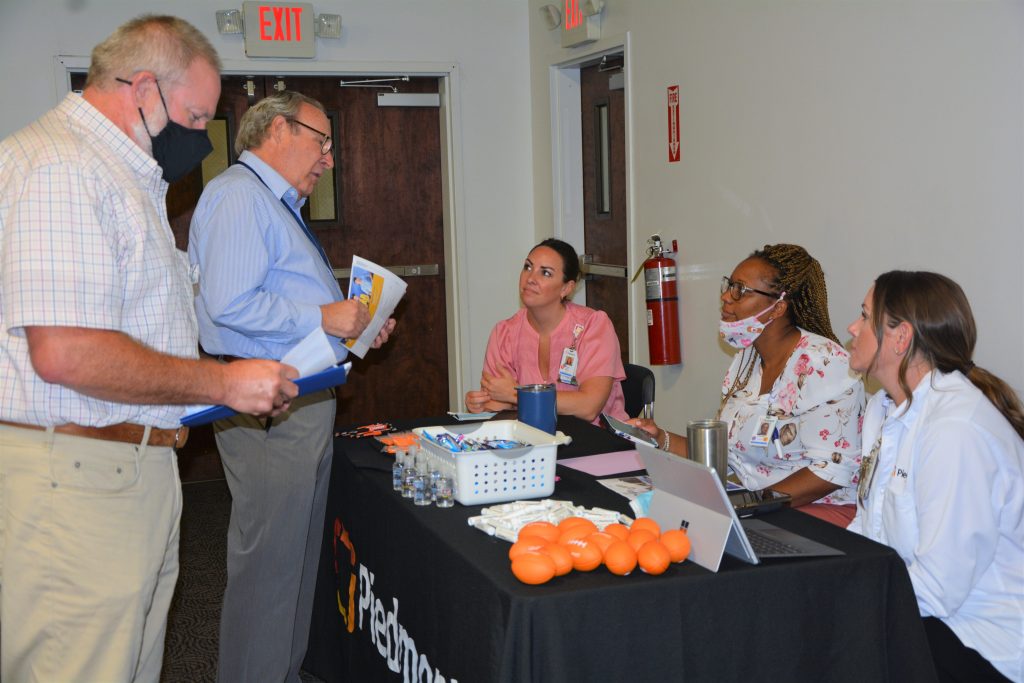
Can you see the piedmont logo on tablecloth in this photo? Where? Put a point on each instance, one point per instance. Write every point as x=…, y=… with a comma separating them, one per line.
x=345, y=607
x=393, y=642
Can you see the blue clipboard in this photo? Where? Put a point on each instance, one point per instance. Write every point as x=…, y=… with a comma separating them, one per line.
x=331, y=377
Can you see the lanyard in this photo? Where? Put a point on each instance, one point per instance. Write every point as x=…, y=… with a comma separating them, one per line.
x=298, y=219
x=576, y=332
x=867, y=469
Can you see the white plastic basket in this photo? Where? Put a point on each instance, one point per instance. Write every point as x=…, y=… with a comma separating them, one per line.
x=495, y=476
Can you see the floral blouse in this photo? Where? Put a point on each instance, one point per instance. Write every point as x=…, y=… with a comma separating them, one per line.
x=818, y=403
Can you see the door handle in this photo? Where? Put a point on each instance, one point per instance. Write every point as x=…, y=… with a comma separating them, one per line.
x=591, y=269
x=419, y=270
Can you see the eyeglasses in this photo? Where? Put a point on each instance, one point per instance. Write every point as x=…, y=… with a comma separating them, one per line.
x=326, y=145
x=737, y=290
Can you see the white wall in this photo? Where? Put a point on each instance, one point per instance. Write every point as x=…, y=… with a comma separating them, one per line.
x=487, y=39
x=877, y=134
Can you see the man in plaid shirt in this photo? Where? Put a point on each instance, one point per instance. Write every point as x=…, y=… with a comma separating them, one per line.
x=99, y=360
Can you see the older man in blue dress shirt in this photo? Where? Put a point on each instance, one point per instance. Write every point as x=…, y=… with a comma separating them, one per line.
x=265, y=284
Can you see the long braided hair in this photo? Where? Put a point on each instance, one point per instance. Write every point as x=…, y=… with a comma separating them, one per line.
x=800, y=276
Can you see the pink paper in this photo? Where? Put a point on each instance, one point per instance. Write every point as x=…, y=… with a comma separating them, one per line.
x=604, y=464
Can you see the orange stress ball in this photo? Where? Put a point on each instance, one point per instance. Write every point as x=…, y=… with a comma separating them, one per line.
x=575, y=531
x=602, y=540
x=653, y=557
x=639, y=537
x=533, y=568
x=576, y=521
x=678, y=544
x=546, y=530
x=620, y=558
x=646, y=523
x=585, y=555
x=619, y=531
x=526, y=544
x=560, y=555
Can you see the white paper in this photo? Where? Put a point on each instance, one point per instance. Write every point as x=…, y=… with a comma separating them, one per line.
x=604, y=464
x=629, y=487
x=312, y=354
x=380, y=290
x=309, y=356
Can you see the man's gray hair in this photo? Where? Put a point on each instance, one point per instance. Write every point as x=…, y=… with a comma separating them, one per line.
x=165, y=45
x=255, y=123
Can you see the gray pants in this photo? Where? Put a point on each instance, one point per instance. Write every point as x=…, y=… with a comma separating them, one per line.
x=278, y=481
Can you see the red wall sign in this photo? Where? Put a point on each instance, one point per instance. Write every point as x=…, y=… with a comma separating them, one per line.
x=279, y=29
x=673, y=123
x=277, y=23
x=573, y=14
x=578, y=29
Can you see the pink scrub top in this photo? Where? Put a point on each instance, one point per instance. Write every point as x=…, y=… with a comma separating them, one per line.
x=514, y=345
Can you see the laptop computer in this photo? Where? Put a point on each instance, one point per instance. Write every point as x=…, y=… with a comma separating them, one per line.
x=747, y=503
x=690, y=496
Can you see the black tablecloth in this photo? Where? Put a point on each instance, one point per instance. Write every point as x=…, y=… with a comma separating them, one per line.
x=433, y=599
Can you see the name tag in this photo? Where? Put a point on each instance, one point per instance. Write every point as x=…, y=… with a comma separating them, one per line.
x=764, y=431
x=567, y=368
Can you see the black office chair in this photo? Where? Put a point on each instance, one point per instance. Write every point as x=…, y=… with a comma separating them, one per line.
x=638, y=390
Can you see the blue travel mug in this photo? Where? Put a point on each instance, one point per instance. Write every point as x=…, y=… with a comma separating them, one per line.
x=537, y=406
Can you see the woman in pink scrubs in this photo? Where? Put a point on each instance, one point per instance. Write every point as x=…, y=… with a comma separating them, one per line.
x=551, y=340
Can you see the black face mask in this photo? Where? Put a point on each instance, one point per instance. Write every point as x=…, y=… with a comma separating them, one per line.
x=177, y=149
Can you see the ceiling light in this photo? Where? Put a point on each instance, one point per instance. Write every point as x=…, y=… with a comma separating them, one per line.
x=229, y=21
x=328, y=25
x=552, y=16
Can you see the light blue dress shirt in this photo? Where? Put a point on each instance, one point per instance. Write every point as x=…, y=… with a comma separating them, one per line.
x=261, y=280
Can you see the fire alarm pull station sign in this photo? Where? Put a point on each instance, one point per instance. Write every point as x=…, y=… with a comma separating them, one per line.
x=673, y=123
x=279, y=29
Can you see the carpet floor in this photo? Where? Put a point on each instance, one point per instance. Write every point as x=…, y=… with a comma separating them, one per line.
x=190, y=654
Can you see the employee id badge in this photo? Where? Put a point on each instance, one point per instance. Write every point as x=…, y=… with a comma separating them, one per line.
x=567, y=368
x=764, y=431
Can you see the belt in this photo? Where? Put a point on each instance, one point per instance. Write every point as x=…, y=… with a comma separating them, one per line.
x=124, y=432
x=222, y=357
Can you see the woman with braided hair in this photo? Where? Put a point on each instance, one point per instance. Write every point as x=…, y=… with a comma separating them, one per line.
x=942, y=477
x=791, y=405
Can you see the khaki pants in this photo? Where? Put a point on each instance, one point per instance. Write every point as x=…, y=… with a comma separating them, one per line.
x=88, y=557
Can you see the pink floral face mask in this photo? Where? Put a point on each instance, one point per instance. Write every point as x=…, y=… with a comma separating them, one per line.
x=742, y=333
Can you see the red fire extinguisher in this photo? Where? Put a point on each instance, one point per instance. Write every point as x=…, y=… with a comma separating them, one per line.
x=662, y=304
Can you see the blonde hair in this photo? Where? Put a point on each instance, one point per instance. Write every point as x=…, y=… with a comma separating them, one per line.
x=165, y=45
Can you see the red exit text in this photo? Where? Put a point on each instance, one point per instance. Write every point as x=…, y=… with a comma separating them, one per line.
x=281, y=23
x=573, y=14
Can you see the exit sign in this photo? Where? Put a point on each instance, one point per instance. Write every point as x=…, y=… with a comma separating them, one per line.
x=279, y=29
x=577, y=28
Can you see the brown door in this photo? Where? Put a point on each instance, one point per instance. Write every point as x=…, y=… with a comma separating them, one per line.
x=387, y=183
x=604, y=192
x=383, y=203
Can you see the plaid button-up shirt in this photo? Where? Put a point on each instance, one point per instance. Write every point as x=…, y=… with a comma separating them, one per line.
x=85, y=242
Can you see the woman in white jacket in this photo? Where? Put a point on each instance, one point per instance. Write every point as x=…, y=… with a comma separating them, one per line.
x=942, y=472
